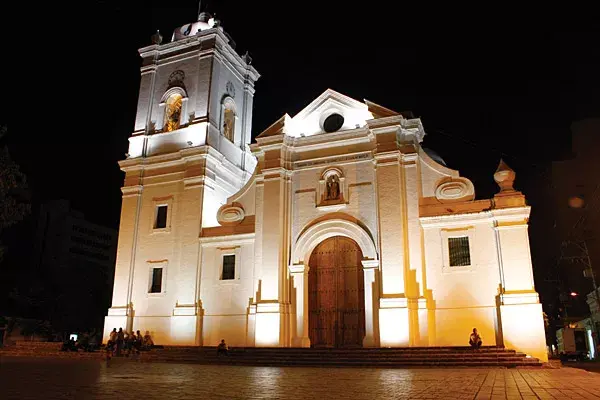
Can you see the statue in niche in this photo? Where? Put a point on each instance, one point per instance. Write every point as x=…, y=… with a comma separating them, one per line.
x=228, y=123
x=173, y=112
x=333, y=187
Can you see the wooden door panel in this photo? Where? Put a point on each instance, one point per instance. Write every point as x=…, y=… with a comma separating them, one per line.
x=336, y=294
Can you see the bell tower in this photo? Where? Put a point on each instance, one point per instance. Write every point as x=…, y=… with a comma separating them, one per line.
x=187, y=154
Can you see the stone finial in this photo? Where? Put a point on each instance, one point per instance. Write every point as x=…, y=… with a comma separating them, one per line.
x=204, y=16
x=505, y=177
x=246, y=57
x=157, y=38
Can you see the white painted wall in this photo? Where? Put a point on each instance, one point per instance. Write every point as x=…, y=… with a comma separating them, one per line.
x=226, y=301
x=416, y=298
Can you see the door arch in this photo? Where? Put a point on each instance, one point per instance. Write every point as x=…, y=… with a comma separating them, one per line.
x=336, y=302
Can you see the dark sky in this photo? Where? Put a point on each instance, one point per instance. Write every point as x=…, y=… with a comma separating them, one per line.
x=498, y=84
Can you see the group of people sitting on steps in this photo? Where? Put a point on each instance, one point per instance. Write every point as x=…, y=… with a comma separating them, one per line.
x=124, y=343
x=85, y=342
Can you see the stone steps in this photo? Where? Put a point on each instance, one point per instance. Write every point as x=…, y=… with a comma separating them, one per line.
x=490, y=356
x=372, y=357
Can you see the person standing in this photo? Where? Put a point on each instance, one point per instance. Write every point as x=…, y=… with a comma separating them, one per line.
x=120, y=340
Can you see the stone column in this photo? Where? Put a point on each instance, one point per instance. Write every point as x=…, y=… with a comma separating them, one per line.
x=299, y=274
x=371, y=301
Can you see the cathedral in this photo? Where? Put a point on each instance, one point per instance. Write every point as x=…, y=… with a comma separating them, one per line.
x=334, y=229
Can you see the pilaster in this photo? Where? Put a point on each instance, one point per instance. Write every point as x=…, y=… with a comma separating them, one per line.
x=299, y=273
x=391, y=224
x=370, y=270
x=521, y=315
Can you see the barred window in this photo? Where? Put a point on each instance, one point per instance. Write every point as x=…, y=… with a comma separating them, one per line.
x=228, y=272
x=459, y=251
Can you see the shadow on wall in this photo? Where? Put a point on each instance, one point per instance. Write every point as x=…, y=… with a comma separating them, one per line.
x=498, y=319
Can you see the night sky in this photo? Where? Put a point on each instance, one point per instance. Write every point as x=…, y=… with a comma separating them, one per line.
x=487, y=87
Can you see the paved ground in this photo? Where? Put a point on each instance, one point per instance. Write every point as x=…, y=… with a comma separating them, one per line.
x=126, y=379
x=591, y=366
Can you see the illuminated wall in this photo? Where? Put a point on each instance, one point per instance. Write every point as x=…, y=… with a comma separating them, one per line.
x=191, y=170
x=268, y=206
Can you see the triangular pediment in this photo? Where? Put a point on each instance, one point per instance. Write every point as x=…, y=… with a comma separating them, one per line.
x=310, y=120
x=330, y=97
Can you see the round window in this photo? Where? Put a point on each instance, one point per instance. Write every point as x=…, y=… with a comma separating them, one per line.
x=333, y=123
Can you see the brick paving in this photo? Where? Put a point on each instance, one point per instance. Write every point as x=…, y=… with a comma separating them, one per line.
x=43, y=378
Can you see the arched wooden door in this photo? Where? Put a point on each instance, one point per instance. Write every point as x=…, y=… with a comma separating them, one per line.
x=336, y=294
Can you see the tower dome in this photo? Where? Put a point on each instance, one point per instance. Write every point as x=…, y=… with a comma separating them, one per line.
x=205, y=21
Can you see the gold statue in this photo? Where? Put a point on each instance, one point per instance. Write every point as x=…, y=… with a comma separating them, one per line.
x=173, y=113
x=228, y=123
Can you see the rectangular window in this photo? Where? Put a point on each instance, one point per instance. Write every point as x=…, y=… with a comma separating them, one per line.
x=161, y=217
x=458, y=248
x=228, y=267
x=156, y=286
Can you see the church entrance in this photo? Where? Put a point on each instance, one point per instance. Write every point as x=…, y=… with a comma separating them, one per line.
x=336, y=294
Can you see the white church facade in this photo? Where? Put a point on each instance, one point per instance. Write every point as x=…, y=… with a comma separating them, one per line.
x=335, y=228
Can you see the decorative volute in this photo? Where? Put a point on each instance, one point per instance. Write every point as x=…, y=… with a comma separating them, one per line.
x=230, y=214
x=505, y=177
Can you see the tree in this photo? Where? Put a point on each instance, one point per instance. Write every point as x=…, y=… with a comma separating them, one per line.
x=13, y=185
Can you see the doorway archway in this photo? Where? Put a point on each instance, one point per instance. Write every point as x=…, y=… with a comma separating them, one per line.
x=336, y=302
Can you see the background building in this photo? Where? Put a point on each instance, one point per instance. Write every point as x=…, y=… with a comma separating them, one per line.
x=76, y=259
x=576, y=233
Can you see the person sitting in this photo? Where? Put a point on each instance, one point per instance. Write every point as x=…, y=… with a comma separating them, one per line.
x=222, y=348
x=147, y=342
x=69, y=345
x=93, y=343
x=475, y=339
x=84, y=342
x=126, y=343
x=137, y=341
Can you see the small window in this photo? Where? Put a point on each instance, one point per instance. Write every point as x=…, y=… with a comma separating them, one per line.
x=161, y=217
x=156, y=285
x=228, y=267
x=458, y=248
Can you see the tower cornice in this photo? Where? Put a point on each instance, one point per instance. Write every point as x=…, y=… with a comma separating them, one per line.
x=207, y=41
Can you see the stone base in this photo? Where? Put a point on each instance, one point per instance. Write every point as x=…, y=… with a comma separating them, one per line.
x=394, y=322
x=523, y=329
x=268, y=321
